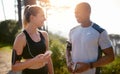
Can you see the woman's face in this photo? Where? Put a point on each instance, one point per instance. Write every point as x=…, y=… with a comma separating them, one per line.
x=39, y=19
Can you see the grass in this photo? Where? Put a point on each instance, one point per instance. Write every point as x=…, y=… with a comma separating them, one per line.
x=5, y=47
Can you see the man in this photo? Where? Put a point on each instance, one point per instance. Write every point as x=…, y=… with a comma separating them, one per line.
x=84, y=40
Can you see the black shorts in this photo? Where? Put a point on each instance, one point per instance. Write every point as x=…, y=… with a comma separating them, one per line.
x=43, y=70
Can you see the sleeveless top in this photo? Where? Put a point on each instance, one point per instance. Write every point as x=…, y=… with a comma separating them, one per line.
x=33, y=48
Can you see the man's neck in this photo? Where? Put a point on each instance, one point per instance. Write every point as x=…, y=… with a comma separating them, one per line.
x=86, y=24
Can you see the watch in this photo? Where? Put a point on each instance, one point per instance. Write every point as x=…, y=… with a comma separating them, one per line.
x=91, y=65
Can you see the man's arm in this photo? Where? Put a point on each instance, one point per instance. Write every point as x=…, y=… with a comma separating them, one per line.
x=106, y=59
x=68, y=56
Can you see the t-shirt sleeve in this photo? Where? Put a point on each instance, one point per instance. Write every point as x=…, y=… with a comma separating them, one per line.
x=104, y=40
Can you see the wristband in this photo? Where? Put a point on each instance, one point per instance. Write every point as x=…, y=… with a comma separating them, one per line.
x=91, y=65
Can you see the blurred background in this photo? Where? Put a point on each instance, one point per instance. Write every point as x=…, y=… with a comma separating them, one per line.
x=60, y=19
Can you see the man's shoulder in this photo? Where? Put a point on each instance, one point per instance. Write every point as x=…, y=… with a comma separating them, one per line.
x=75, y=27
x=97, y=28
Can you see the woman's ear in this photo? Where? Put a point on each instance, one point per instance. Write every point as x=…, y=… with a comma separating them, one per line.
x=32, y=18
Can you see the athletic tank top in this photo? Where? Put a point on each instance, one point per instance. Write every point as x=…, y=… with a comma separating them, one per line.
x=33, y=48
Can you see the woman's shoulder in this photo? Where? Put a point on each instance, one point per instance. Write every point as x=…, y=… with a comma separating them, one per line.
x=19, y=43
x=20, y=36
x=20, y=39
x=43, y=32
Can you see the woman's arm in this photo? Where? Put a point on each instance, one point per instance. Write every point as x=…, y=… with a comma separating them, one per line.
x=50, y=64
x=18, y=46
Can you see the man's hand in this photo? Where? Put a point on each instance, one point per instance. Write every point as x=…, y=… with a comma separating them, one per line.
x=81, y=67
x=70, y=65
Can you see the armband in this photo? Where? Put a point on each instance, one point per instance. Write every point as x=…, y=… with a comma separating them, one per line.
x=69, y=46
x=15, y=57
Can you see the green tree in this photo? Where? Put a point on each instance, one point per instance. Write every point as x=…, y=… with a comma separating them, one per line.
x=8, y=31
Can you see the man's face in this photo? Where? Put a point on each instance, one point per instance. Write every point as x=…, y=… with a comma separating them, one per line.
x=82, y=14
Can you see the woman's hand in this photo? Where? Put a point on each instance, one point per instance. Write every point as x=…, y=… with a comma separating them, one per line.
x=41, y=59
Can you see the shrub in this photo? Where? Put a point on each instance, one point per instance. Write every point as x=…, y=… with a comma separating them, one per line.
x=57, y=46
x=112, y=68
x=8, y=30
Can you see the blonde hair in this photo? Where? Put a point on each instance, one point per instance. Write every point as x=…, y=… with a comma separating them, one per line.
x=30, y=10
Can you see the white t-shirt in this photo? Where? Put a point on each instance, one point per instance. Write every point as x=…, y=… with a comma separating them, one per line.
x=85, y=44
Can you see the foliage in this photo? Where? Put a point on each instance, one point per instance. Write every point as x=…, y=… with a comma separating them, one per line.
x=57, y=45
x=8, y=30
x=112, y=68
x=56, y=36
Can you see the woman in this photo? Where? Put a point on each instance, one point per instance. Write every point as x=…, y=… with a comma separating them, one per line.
x=30, y=50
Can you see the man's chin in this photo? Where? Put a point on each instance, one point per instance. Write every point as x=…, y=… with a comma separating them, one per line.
x=78, y=21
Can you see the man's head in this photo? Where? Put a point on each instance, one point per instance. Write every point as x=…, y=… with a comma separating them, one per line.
x=82, y=12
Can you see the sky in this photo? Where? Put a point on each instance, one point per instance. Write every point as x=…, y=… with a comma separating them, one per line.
x=105, y=13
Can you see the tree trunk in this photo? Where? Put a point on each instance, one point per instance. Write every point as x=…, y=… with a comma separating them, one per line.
x=19, y=13
x=29, y=2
